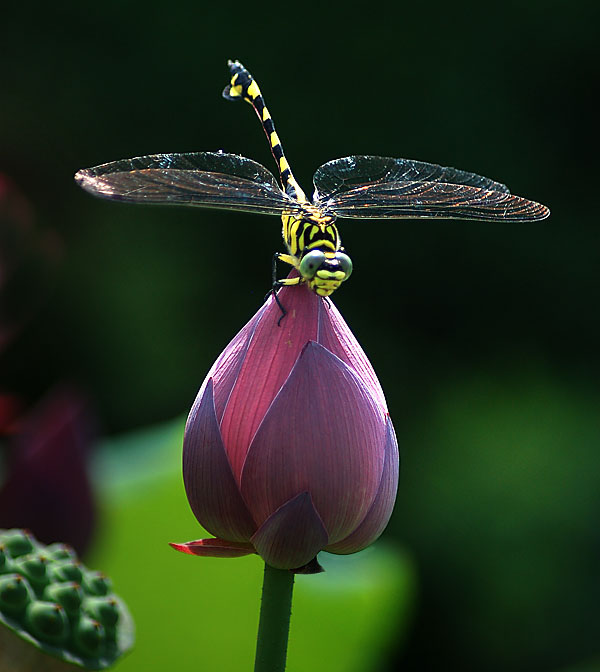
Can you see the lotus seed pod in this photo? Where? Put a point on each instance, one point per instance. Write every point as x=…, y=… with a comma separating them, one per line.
x=69, y=595
x=55, y=613
x=66, y=570
x=18, y=542
x=48, y=621
x=15, y=595
x=89, y=636
x=34, y=568
x=96, y=583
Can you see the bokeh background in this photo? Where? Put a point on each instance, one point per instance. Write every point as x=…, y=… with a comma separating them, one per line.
x=485, y=336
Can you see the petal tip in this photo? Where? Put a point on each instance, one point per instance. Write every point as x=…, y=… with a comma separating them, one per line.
x=292, y=536
x=214, y=548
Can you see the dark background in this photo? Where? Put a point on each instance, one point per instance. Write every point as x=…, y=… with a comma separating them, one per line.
x=485, y=336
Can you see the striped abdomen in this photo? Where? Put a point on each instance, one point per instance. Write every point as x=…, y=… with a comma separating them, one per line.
x=243, y=86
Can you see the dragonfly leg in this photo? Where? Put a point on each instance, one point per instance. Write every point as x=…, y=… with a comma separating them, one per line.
x=277, y=284
x=274, y=270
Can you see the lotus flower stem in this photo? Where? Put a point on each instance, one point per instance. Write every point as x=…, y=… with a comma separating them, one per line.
x=274, y=623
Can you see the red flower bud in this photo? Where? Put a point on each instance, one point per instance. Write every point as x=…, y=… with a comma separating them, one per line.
x=289, y=449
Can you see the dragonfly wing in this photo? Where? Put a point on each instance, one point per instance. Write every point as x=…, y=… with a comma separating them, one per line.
x=417, y=199
x=209, y=179
x=341, y=175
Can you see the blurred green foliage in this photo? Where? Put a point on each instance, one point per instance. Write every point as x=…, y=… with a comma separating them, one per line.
x=485, y=336
x=504, y=513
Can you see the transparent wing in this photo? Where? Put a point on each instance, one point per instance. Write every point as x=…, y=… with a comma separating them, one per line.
x=341, y=175
x=380, y=187
x=420, y=200
x=208, y=179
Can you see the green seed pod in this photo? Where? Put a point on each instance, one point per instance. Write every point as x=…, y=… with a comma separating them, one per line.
x=34, y=568
x=89, y=637
x=69, y=595
x=18, y=542
x=66, y=570
x=51, y=602
x=15, y=595
x=96, y=583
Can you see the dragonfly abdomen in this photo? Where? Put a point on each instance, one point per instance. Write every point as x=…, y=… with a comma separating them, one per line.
x=244, y=86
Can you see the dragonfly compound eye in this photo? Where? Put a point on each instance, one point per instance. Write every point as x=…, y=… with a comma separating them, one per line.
x=345, y=264
x=311, y=262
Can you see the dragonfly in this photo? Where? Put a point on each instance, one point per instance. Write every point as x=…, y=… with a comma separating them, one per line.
x=357, y=187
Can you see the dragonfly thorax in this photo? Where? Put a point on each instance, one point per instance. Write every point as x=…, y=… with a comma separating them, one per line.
x=309, y=228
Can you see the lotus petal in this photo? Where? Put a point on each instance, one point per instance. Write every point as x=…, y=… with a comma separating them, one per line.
x=211, y=489
x=225, y=370
x=270, y=357
x=215, y=548
x=324, y=434
x=379, y=514
x=292, y=536
x=335, y=335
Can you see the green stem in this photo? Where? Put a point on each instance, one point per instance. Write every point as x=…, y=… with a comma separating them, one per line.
x=274, y=624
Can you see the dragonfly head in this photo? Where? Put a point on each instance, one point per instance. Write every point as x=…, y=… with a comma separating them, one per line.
x=324, y=272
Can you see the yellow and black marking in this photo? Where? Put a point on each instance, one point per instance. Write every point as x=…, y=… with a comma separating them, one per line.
x=243, y=86
x=306, y=227
x=358, y=187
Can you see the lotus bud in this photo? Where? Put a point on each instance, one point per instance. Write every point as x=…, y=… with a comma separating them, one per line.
x=289, y=448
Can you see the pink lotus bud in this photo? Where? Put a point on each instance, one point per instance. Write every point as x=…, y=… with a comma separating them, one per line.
x=289, y=449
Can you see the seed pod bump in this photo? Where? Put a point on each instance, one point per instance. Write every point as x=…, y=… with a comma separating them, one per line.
x=69, y=595
x=96, y=583
x=6, y=566
x=15, y=595
x=61, y=552
x=34, y=568
x=18, y=542
x=89, y=636
x=102, y=609
x=66, y=570
x=48, y=621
